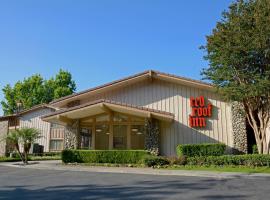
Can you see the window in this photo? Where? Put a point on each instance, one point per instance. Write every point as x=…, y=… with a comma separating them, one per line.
x=120, y=136
x=102, y=137
x=120, y=118
x=53, y=125
x=56, y=145
x=86, y=138
x=137, y=136
x=103, y=118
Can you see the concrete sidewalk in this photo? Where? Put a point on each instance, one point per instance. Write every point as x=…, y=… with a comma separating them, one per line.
x=57, y=165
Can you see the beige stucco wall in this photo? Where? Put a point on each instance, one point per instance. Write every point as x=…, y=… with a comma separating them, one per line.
x=174, y=98
x=32, y=120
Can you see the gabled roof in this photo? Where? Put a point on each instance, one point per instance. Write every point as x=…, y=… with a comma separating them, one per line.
x=25, y=111
x=102, y=106
x=151, y=74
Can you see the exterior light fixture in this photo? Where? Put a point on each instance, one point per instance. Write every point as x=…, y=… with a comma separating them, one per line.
x=134, y=129
x=139, y=133
x=108, y=133
x=98, y=130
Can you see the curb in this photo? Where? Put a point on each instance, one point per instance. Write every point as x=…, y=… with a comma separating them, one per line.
x=56, y=165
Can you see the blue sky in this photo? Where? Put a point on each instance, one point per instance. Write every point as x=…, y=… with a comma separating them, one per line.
x=102, y=40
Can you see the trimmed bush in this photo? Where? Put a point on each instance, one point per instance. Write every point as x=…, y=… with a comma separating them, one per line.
x=103, y=156
x=252, y=160
x=182, y=160
x=191, y=150
x=255, y=149
x=151, y=161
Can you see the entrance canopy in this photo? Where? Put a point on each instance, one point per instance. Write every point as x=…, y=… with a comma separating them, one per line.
x=85, y=111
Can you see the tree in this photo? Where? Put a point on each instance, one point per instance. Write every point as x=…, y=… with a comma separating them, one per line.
x=238, y=51
x=23, y=137
x=35, y=90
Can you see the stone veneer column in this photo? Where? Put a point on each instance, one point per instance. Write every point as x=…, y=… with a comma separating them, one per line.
x=3, y=134
x=239, y=128
x=72, y=136
x=152, y=136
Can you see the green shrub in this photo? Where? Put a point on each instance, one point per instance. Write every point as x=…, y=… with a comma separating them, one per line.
x=103, y=156
x=191, y=150
x=255, y=149
x=151, y=161
x=252, y=160
x=181, y=160
x=8, y=159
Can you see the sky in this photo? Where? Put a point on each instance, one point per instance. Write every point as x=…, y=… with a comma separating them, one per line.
x=99, y=41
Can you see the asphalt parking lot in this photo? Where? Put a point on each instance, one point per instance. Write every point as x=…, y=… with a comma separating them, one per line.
x=21, y=183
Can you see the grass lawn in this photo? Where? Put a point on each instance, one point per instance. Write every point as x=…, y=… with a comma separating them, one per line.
x=243, y=169
x=31, y=158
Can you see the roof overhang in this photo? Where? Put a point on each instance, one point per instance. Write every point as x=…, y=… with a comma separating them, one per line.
x=147, y=75
x=67, y=116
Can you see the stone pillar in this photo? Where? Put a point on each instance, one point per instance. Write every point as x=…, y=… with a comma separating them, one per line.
x=3, y=134
x=72, y=136
x=239, y=131
x=152, y=133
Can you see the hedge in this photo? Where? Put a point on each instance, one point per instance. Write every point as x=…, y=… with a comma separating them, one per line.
x=103, y=156
x=252, y=160
x=151, y=161
x=191, y=150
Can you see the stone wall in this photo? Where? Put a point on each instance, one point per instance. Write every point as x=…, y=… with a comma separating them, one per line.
x=239, y=129
x=152, y=134
x=3, y=133
x=71, y=136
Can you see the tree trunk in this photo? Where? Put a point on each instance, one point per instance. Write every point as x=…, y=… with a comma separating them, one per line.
x=19, y=152
x=259, y=121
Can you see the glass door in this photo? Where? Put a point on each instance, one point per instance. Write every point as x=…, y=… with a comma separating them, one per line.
x=86, y=138
x=120, y=136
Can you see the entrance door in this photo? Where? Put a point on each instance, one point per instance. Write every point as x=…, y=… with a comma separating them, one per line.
x=120, y=136
x=86, y=138
x=102, y=137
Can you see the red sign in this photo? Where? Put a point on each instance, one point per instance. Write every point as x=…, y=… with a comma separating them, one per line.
x=200, y=111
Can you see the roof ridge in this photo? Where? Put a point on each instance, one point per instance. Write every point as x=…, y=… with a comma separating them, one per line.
x=147, y=72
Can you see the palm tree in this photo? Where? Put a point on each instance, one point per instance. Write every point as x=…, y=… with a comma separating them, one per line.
x=24, y=137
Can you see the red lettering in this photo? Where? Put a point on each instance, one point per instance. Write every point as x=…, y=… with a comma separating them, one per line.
x=194, y=111
x=205, y=112
x=195, y=121
x=196, y=101
x=200, y=112
x=202, y=122
x=201, y=101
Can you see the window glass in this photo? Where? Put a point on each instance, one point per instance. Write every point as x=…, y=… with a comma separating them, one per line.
x=56, y=145
x=137, y=136
x=103, y=118
x=53, y=125
x=86, y=138
x=120, y=137
x=102, y=137
x=120, y=118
